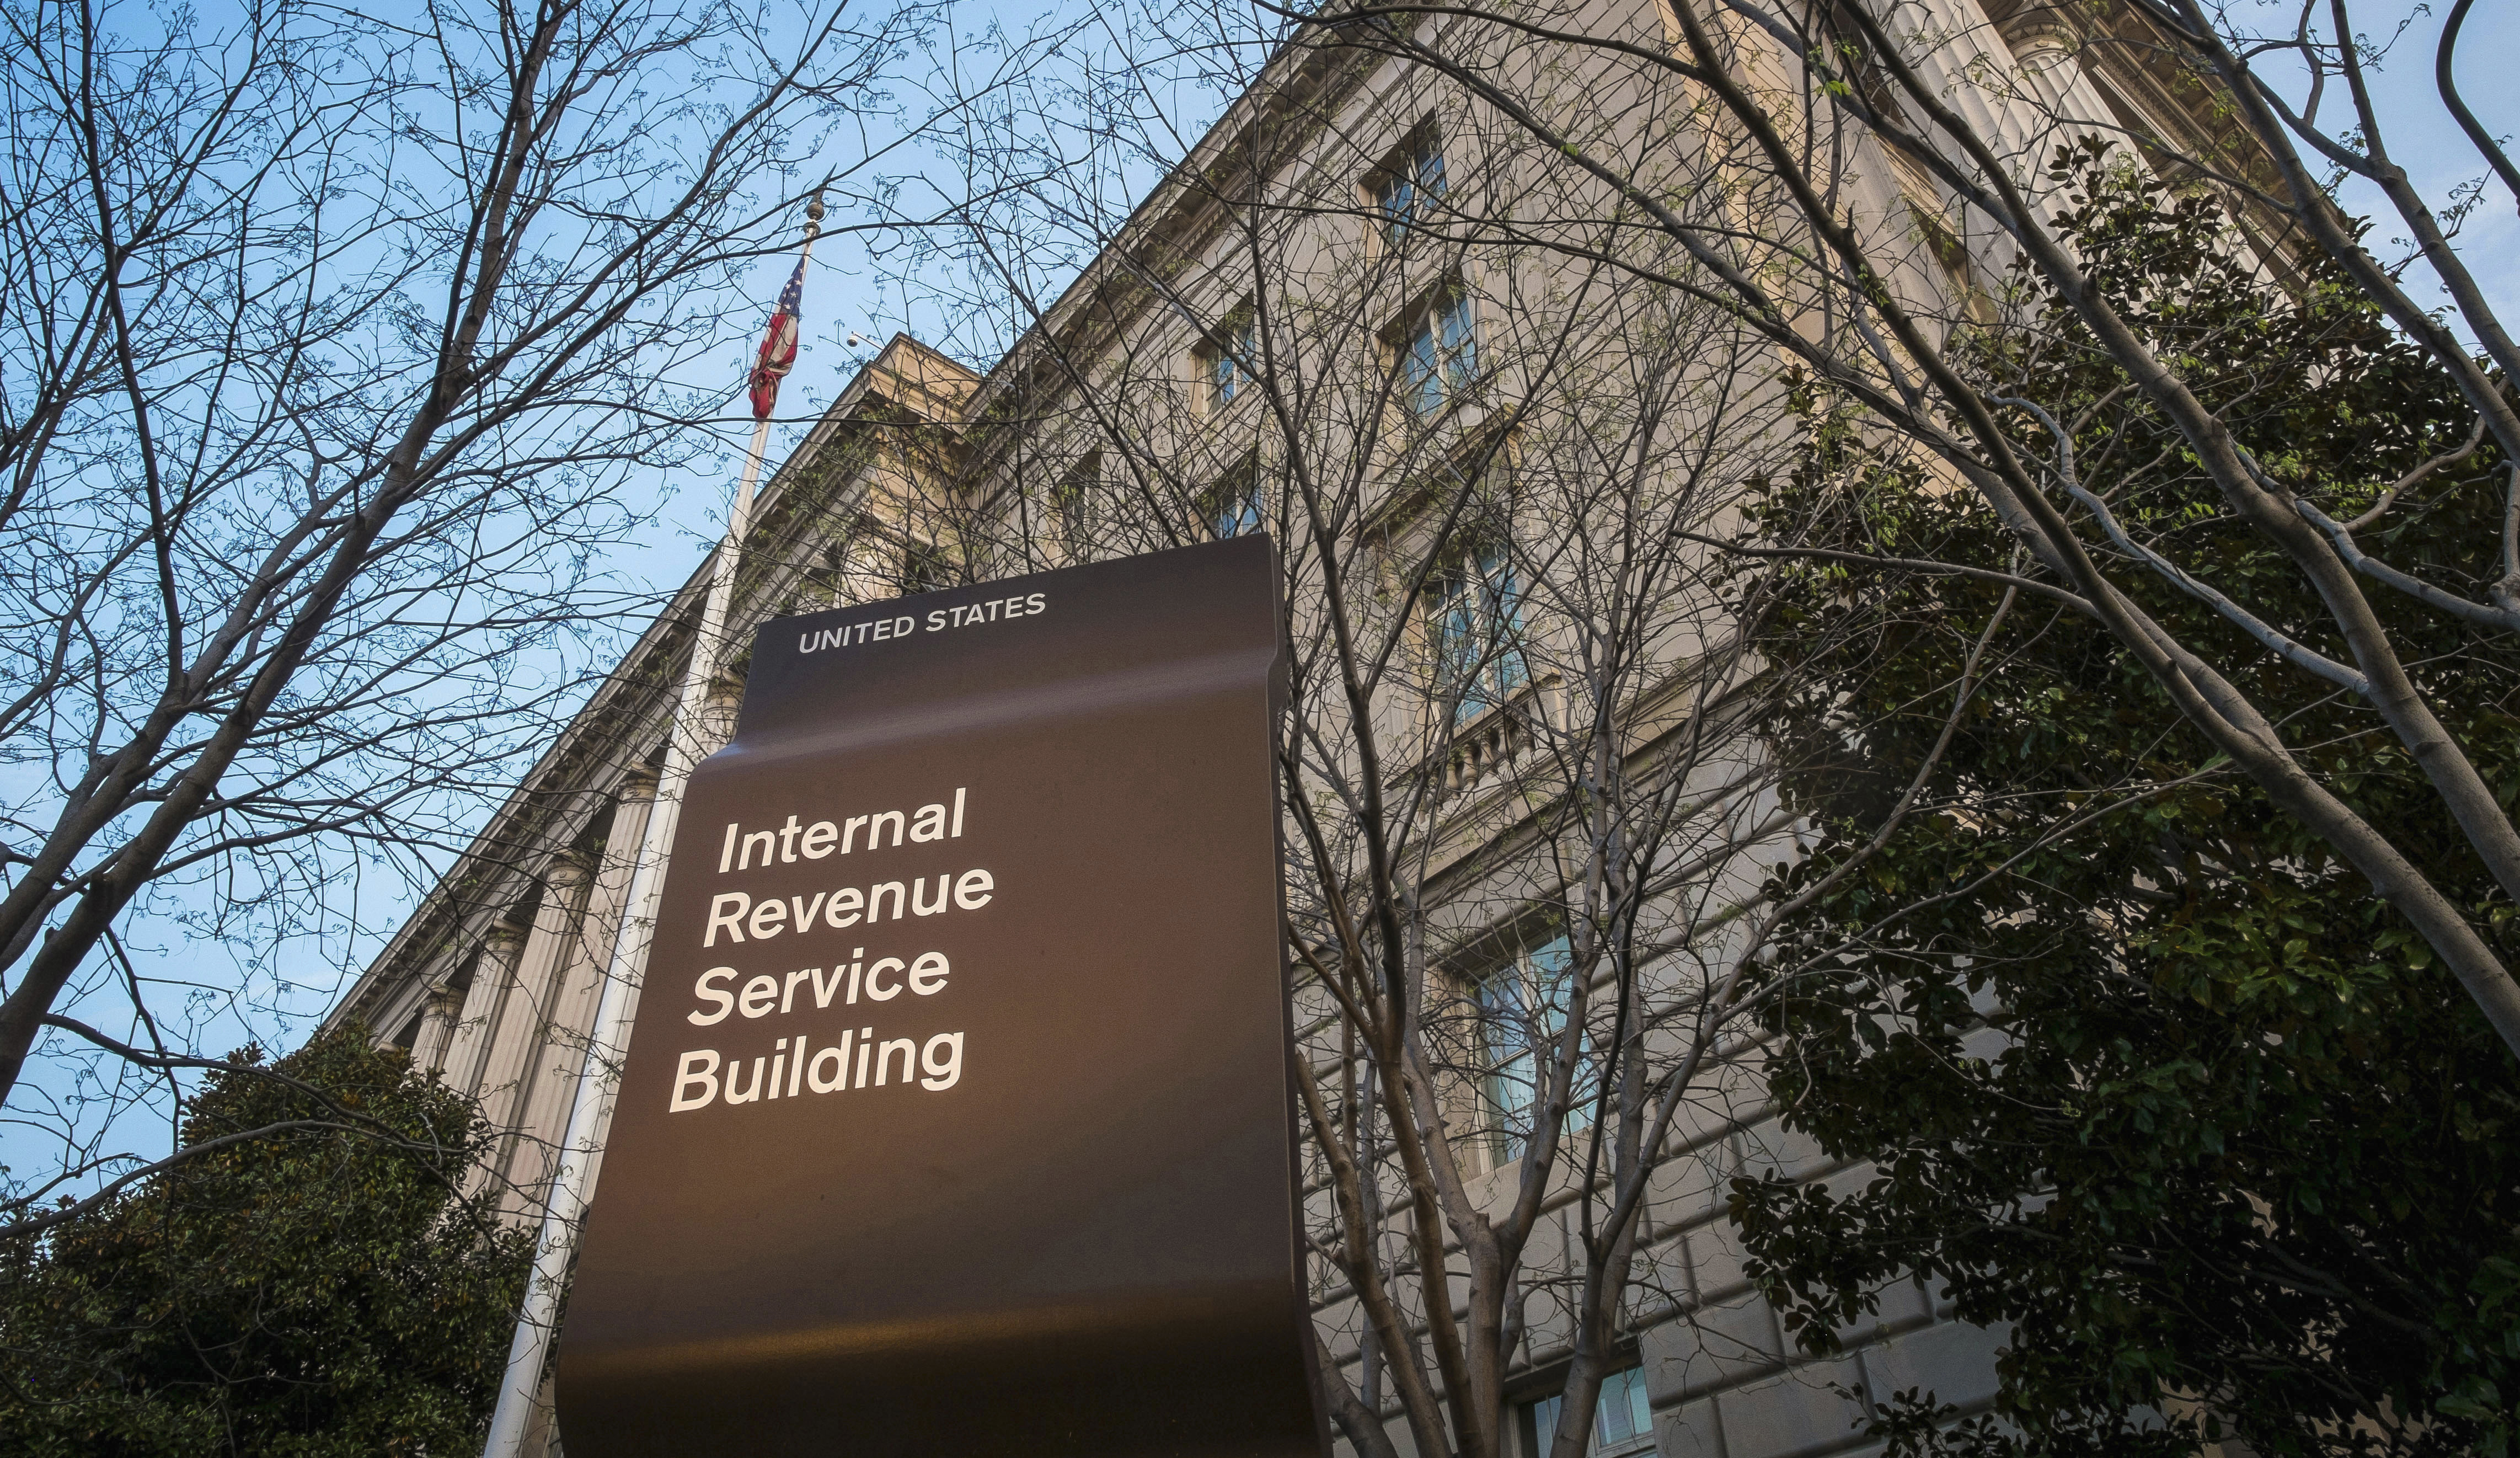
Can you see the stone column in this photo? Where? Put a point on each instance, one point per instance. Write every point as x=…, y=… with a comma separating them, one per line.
x=717, y=722
x=1960, y=57
x=2049, y=49
x=517, y=1037
x=543, y=1115
x=439, y=1014
x=2049, y=70
x=492, y=972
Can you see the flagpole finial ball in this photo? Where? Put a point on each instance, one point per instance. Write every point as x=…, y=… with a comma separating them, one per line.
x=814, y=206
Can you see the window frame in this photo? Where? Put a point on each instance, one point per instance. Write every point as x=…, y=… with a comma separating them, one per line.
x=1228, y=359
x=1436, y=351
x=1474, y=617
x=925, y=568
x=1406, y=189
x=1073, y=497
x=1541, y=1416
x=1228, y=516
x=1523, y=995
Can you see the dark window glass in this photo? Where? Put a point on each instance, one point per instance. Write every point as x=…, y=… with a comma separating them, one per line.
x=1234, y=506
x=1621, y=1420
x=1523, y=1010
x=1476, y=612
x=1233, y=359
x=1440, y=355
x=1408, y=194
x=1076, y=495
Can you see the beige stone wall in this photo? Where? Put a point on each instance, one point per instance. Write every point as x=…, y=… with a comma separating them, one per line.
x=495, y=980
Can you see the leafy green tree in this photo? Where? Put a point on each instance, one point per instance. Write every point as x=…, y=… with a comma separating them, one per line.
x=320, y=1289
x=2145, y=1074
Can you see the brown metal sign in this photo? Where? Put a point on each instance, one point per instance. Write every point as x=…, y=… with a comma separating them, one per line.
x=958, y=1118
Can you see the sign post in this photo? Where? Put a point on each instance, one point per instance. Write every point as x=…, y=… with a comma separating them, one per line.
x=959, y=1118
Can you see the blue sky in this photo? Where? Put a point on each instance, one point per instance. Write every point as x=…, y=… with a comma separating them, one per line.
x=2425, y=140
x=851, y=293
x=860, y=291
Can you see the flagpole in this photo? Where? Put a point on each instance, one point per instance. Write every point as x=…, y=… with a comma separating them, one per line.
x=590, y=1112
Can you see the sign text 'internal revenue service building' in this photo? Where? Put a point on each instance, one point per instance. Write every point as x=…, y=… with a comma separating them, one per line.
x=957, y=1118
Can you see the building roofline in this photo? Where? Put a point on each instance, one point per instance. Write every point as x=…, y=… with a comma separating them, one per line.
x=1184, y=191
x=904, y=374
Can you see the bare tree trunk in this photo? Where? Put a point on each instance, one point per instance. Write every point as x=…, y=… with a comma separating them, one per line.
x=1522, y=820
x=311, y=469
x=1911, y=385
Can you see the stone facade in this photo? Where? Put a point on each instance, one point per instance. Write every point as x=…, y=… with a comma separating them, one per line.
x=923, y=469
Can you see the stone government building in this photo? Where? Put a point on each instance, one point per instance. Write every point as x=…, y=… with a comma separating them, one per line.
x=1125, y=421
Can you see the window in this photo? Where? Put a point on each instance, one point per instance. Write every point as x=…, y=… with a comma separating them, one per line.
x=1523, y=1010
x=1475, y=621
x=924, y=569
x=1622, y=1422
x=1075, y=495
x=1233, y=506
x=1439, y=357
x=1233, y=357
x=1407, y=189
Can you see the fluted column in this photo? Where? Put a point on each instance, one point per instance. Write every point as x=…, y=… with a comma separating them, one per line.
x=439, y=1014
x=492, y=974
x=726, y=696
x=544, y=1111
x=517, y=1037
x=2051, y=67
x=1951, y=44
x=2046, y=51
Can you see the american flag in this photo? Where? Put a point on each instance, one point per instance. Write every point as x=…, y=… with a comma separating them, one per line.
x=778, y=345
